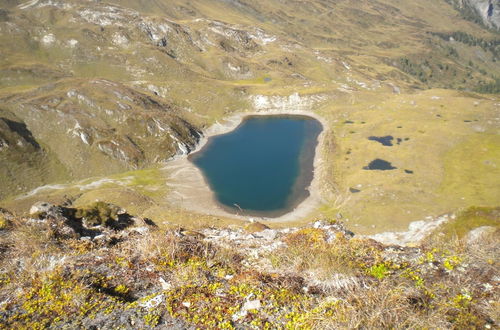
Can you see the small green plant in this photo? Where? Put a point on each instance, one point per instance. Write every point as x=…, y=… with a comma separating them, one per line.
x=462, y=300
x=378, y=271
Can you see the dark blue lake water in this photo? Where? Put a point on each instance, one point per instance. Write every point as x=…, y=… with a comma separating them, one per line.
x=264, y=166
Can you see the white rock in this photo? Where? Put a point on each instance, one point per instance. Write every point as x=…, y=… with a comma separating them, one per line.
x=40, y=207
x=119, y=39
x=284, y=103
x=487, y=287
x=72, y=43
x=239, y=315
x=153, y=302
x=99, y=237
x=268, y=234
x=186, y=304
x=141, y=230
x=48, y=39
x=417, y=231
x=164, y=284
x=251, y=304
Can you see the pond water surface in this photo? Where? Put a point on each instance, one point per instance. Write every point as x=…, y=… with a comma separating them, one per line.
x=263, y=167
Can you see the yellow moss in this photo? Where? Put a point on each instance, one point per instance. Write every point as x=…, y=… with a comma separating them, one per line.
x=378, y=271
x=461, y=300
x=122, y=289
x=307, y=236
x=4, y=223
x=451, y=262
x=152, y=319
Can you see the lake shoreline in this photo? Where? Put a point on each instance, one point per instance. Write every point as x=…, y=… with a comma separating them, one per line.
x=191, y=191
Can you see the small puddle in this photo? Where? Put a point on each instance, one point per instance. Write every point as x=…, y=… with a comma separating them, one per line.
x=380, y=165
x=384, y=140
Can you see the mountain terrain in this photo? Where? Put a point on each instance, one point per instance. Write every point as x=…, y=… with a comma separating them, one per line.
x=91, y=89
x=99, y=99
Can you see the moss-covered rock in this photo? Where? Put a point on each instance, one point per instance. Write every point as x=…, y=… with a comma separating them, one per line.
x=99, y=214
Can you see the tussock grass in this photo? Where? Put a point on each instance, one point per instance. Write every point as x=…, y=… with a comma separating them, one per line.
x=317, y=281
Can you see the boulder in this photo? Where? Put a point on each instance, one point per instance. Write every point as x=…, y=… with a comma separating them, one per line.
x=41, y=207
x=191, y=233
x=267, y=234
x=255, y=227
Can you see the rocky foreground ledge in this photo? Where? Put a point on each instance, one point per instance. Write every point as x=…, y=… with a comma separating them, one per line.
x=99, y=267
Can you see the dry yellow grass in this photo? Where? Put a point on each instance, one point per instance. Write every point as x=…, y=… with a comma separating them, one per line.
x=316, y=281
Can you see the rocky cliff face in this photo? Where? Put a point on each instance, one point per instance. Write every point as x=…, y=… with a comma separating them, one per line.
x=95, y=127
x=486, y=11
x=489, y=10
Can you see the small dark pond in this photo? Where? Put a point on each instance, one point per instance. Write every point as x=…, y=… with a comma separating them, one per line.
x=379, y=164
x=387, y=140
x=264, y=166
x=384, y=140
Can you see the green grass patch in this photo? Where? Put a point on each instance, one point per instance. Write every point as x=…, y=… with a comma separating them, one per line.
x=472, y=172
x=144, y=177
x=255, y=81
x=471, y=218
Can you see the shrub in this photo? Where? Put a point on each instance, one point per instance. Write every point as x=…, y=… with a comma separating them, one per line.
x=98, y=213
x=489, y=88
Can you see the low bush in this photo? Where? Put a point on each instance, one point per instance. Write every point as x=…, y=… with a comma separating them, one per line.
x=98, y=214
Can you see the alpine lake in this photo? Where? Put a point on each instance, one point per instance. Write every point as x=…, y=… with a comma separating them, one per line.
x=264, y=166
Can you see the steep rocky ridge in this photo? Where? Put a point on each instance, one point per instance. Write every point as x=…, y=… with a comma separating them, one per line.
x=484, y=11
x=98, y=127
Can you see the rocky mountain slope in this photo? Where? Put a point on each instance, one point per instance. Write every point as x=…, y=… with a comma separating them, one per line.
x=486, y=12
x=99, y=267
